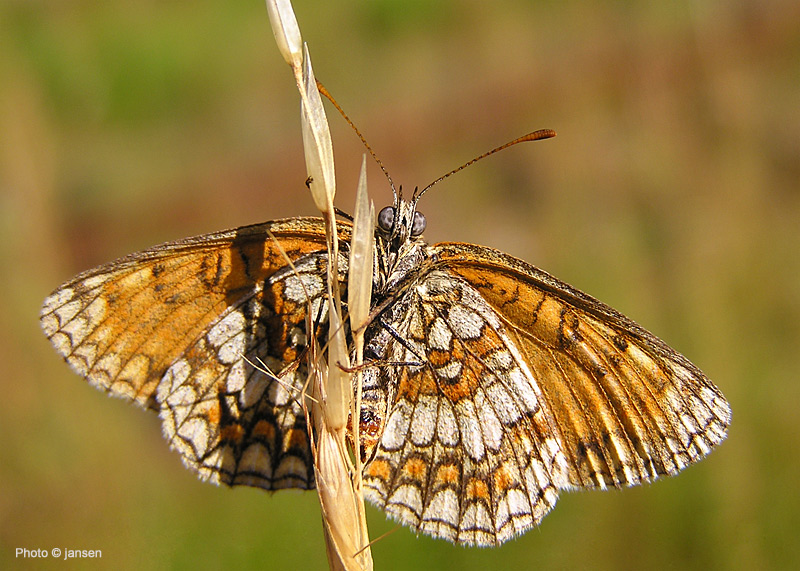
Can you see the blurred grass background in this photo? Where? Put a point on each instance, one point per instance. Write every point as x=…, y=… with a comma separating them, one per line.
x=672, y=192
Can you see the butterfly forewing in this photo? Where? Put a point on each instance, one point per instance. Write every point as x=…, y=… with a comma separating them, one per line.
x=627, y=407
x=182, y=328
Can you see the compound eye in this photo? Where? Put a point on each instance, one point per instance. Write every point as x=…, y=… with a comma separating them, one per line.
x=419, y=224
x=386, y=219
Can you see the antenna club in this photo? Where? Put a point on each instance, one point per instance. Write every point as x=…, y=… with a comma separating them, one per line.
x=535, y=136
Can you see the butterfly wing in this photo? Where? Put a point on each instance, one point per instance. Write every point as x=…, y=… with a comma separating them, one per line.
x=178, y=329
x=513, y=386
x=468, y=452
x=627, y=407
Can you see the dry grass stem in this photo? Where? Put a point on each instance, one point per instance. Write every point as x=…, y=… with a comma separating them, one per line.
x=337, y=480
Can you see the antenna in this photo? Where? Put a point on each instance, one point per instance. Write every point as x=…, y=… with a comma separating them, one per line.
x=535, y=136
x=330, y=98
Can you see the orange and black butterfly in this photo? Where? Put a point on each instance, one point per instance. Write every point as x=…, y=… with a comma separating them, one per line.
x=491, y=386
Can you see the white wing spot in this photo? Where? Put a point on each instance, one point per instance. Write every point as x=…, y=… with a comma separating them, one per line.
x=446, y=426
x=451, y=370
x=226, y=328
x=57, y=299
x=440, y=336
x=465, y=323
x=423, y=422
x=195, y=430
x=471, y=433
x=408, y=496
x=443, y=506
x=394, y=434
x=256, y=459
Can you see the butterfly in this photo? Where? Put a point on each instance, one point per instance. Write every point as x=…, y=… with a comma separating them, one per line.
x=489, y=385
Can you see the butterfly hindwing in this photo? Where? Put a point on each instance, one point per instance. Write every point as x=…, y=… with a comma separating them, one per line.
x=468, y=452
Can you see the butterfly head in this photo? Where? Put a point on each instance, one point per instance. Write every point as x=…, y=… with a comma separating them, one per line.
x=399, y=245
x=400, y=223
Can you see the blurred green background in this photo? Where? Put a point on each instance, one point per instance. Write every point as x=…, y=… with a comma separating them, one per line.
x=672, y=192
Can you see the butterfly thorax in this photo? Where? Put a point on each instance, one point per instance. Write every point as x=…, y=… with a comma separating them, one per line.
x=400, y=254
